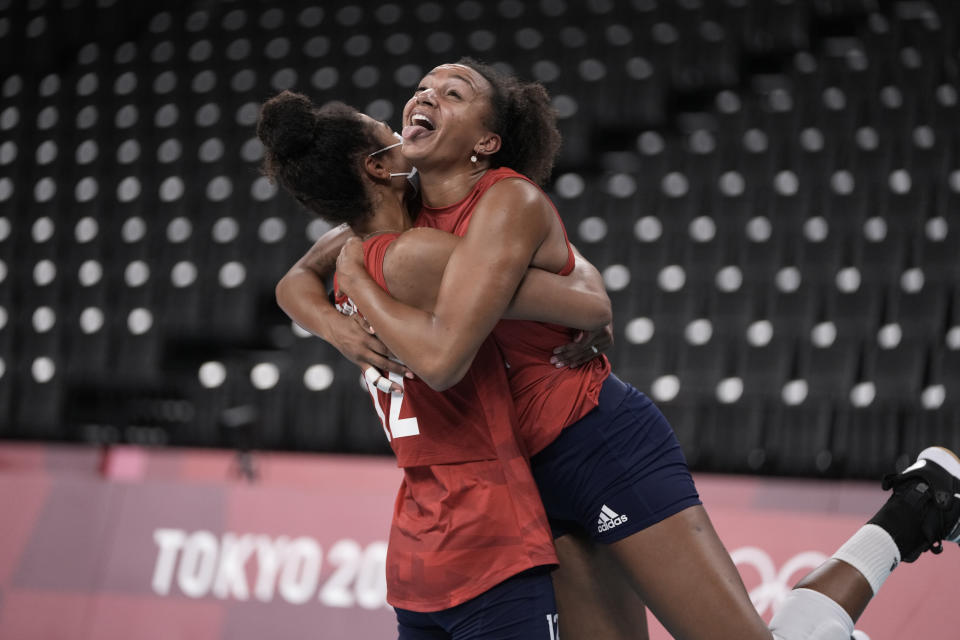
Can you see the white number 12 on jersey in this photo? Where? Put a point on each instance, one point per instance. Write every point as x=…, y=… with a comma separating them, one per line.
x=397, y=426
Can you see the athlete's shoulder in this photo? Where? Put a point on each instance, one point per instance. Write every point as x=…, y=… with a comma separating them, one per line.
x=413, y=265
x=515, y=197
x=504, y=173
x=516, y=189
x=420, y=243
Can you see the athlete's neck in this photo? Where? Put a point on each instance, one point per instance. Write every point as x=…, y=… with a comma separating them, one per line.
x=389, y=216
x=442, y=189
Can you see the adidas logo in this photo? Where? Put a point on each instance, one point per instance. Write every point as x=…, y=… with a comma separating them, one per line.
x=609, y=519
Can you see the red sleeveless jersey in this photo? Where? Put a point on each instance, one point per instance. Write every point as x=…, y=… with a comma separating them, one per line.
x=468, y=514
x=547, y=399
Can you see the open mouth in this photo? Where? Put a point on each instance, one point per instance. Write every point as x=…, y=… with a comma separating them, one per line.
x=418, y=119
x=420, y=125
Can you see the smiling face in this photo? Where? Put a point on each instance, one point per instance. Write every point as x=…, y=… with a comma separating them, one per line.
x=446, y=118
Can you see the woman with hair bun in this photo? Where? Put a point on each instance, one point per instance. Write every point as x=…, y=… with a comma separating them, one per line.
x=470, y=550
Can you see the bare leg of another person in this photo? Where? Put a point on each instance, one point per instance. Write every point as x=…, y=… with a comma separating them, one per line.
x=594, y=599
x=922, y=514
x=683, y=572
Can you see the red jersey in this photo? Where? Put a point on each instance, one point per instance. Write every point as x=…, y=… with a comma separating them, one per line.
x=468, y=514
x=547, y=399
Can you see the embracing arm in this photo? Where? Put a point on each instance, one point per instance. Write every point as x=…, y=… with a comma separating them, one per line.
x=483, y=273
x=578, y=300
x=302, y=294
x=414, y=264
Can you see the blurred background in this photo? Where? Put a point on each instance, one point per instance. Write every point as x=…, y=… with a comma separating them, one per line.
x=771, y=189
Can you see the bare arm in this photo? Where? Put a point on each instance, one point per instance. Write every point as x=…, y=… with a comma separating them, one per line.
x=415, y=262
x=302, y=294
x=506, y=232
x=578, y=300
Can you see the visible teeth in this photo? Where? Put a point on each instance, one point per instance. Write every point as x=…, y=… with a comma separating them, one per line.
x=422, y=120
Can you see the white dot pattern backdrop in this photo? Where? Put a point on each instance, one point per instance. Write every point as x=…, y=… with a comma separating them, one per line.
x=775, y=212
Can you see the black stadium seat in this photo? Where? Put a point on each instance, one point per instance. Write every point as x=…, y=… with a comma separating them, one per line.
x=780, y=172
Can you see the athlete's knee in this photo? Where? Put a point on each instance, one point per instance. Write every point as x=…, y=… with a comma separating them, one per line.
x=810, y=615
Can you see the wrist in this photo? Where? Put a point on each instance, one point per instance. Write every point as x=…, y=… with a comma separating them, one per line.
x=325, y=317
x=356, y=284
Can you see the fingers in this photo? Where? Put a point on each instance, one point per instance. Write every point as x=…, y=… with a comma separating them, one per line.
x=373, y=377
x=377, y=355
x=382, y=363
x=575, y=353
x=372, y=351
x=362, y=322
x=364, y=349
x=572, y=360
x=350, y=258
x=571, y=355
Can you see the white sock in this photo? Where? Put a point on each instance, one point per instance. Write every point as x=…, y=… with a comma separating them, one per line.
x=872, y=552
x=809, y=615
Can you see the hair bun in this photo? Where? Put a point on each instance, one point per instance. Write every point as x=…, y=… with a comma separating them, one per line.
x=286, y=124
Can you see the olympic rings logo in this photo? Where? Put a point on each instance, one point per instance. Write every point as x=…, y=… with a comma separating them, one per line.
x=774, y=585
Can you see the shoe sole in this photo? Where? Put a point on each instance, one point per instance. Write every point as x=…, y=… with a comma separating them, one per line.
x=949, y=461
x=943, y=457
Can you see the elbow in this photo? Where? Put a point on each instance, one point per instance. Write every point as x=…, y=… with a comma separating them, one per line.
x=440, y=375
x=604, y=314
x=441, y=381
x=282, y=292
x=438, y=384
x=606, y=318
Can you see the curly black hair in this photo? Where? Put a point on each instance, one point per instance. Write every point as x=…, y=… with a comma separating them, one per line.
x=314, y=153
x=526, y=121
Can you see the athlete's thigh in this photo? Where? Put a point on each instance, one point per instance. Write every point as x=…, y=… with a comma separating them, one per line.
x=594, y=599
x=616, y=471
x=685, y=575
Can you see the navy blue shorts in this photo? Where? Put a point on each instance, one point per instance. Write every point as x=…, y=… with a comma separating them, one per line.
x=519, y=608
x=617, y=470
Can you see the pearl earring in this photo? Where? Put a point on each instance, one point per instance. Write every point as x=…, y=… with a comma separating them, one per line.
x=473, y=158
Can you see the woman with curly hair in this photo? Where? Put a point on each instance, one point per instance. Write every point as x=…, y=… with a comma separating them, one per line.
x=607, y=465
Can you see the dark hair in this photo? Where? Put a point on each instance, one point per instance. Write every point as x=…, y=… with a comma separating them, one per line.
x=314, y=153
x=525, y=120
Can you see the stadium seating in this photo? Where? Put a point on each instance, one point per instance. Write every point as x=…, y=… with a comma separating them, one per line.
x=771, y=190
